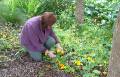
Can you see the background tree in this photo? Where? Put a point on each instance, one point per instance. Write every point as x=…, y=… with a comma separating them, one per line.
x=114, y=63
x=79, y=12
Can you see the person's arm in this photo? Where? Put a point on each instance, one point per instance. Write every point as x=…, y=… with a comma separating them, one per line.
x=58, y=45
x=54, y=36
x=34, y=39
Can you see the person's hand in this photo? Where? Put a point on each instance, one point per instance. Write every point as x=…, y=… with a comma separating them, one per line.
x=50, y=54
x=58, y=46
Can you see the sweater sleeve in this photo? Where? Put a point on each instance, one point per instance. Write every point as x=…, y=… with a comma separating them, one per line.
x=54, y=36
x=33, y=37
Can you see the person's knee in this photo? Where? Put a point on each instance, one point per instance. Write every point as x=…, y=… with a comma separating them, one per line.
x=50, y=42
x=37, y=56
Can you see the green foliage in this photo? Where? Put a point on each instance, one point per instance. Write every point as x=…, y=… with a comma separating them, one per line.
x=56, y=6
x=8, y=38
x=16, y=11
x=10, y=13
x=90, y=43
x=26, y=6
x=102, y=12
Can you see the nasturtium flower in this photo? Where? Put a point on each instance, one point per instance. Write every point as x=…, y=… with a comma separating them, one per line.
x=78, y=62
x=59, y=51
x=62, y=52
x=62, y=66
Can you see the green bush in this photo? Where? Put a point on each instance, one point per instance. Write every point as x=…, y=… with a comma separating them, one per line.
x=56, y=6
x=89, y=44
x=10, y=13
x=8, y=38
x=17, y=11
x=102, y=12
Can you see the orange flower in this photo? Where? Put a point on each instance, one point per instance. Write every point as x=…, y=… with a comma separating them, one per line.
x=61, y=66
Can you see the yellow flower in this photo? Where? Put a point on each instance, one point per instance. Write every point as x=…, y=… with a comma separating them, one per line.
x=59, y=51
x=62, y=52
x=61, y=66
x=78, y=63
x=90, y=59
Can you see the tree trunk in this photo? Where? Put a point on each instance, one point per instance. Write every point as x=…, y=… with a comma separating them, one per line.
x=79, y=12
x=114, y=63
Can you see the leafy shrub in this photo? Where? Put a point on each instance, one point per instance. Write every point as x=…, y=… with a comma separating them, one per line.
x=56, y=6
x=11, y=14
x=8, y=38
x=88, y=44
x=102, y=12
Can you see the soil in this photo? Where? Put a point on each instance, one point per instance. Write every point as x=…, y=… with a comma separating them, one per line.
x=26, y=67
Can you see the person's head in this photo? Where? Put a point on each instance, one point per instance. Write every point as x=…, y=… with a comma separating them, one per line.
x=48, y=19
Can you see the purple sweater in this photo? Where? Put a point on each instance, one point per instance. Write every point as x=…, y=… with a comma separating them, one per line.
x=32, y=36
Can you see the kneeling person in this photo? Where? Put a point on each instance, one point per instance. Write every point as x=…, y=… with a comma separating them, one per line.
x=38, y=37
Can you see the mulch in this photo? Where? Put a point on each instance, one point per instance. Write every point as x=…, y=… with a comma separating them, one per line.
x=26, y=67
